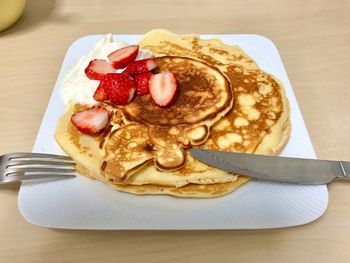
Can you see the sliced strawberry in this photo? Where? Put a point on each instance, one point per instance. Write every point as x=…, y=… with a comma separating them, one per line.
x=98, y=68
x=140, y=66
x=141, y=82
x=120, y=88
x=101, y=93
x=162, y=87
x=123, y=56
x=90, y=121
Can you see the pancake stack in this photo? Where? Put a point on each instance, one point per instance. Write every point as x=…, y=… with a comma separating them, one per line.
x=224, y=102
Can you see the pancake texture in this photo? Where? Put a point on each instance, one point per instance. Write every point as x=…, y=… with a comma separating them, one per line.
x=88, y=152
x=204, y=96
x=224, y=102
x=259, y=120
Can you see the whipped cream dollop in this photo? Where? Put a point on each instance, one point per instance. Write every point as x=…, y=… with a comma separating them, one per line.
x=76, y=87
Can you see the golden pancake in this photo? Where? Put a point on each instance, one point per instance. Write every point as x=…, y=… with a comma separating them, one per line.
x=204, y=96
x=211, y=51
x=88, y=152
x=189, y=190
x=257, y=122
x=160, y=134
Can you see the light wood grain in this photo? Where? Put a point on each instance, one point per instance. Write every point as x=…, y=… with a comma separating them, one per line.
x=313, y=38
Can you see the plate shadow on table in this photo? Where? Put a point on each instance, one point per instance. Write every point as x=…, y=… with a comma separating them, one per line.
x=183, y=233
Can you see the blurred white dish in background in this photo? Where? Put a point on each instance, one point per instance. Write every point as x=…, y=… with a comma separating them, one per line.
x=10, y=12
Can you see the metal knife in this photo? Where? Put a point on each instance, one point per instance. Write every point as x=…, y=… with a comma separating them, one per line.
x=283, y=169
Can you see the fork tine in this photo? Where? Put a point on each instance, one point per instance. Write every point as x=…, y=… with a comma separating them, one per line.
x=27, y=155
x=16, y=161
x=27, y=170
x=21, y=166
x=18, y=178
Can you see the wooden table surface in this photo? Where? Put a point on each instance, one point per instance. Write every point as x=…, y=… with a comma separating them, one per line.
x=313, y=38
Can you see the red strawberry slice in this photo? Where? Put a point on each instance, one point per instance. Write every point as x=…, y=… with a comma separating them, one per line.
x=101, y=93
x=90, y=121
x=141, y=82
x=120, y=88
x=162, y=87
x=98, y=68
x=123, y=56
x=140, y=66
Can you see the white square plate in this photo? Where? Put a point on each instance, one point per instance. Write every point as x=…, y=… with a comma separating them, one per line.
x=81, y=203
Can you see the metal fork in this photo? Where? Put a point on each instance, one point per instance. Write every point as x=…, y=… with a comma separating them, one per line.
x=21, y=166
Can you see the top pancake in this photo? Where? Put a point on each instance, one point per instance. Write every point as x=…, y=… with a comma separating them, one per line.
x=204, y=96
x=203, y=93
